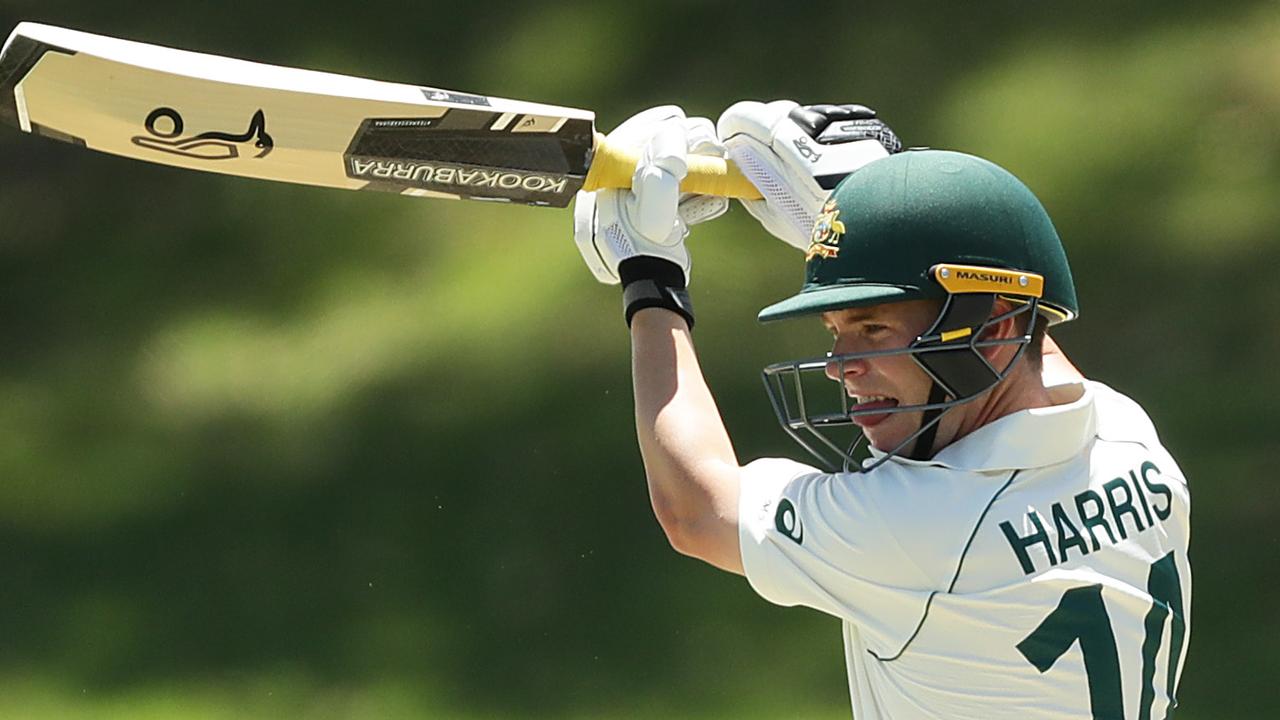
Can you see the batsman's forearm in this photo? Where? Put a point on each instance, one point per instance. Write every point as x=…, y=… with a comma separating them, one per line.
x=689, y=461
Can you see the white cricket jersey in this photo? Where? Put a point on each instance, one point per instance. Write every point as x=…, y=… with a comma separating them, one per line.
x=1036, y=568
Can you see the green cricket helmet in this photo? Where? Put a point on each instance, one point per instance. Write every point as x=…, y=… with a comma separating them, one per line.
x=923, y=225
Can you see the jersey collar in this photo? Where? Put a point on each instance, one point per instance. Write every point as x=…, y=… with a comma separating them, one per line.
x=1026, y=439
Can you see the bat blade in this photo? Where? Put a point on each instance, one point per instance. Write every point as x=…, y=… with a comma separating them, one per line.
x=217, y=114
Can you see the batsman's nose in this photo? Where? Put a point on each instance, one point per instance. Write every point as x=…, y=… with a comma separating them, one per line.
x=841, y=367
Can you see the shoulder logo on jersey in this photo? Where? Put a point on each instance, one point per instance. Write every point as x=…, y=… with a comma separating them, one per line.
x=787, y=520
x=827, y=231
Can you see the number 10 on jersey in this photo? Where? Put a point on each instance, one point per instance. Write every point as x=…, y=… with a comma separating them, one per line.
x=1081, y=615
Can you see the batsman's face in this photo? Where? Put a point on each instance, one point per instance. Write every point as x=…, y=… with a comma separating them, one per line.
x=882, y=382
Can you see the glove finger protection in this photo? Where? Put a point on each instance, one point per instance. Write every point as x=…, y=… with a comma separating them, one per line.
x=795, y=155
x=653, y=203
x=701, y=139
x=652, y=218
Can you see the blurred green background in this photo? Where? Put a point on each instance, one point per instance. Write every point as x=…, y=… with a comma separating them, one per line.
x=272, y=451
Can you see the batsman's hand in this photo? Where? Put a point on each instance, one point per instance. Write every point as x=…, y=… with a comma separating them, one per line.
x=796, y=154
x=653, y=217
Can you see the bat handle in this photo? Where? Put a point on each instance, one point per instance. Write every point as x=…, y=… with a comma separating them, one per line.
x=612, y=167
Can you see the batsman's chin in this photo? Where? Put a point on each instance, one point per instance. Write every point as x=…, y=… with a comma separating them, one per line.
x=886, y=431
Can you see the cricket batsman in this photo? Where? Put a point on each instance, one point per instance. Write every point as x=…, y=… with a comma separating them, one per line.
x=1001, y=537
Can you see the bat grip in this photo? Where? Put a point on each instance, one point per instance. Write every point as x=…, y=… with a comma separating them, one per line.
x=612, y=167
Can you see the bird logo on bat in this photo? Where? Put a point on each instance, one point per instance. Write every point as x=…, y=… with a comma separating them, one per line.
x=165, y=126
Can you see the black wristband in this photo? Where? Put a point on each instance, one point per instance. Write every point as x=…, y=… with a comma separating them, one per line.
x=649, y=282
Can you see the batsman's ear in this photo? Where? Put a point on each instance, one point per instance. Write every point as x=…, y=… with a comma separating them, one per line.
x=1006, y=329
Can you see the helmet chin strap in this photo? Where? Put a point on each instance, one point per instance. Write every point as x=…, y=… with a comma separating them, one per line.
x=955, y=363
x=923, y=448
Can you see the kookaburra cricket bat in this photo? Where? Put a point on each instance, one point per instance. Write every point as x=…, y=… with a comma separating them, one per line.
x=217, y=114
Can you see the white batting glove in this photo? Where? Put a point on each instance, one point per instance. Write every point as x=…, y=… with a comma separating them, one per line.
x=795, y=155
x=652, y=218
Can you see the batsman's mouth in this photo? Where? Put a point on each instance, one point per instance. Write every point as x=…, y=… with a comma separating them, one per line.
x=868, y=403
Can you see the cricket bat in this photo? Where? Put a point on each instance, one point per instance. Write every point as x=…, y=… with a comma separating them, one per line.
x=218, y=114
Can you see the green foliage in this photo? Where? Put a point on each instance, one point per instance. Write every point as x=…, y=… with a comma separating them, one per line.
x=271, y=451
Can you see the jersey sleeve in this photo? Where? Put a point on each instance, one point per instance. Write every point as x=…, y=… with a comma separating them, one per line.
x=856, y=546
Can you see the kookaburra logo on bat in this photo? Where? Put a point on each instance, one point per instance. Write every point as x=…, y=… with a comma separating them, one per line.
x=164, y=127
